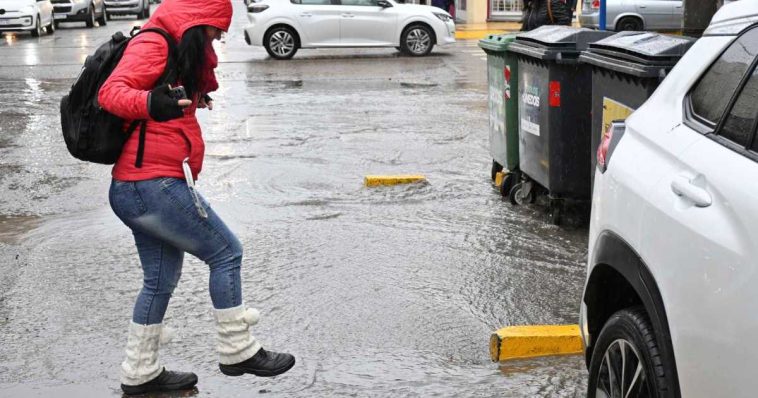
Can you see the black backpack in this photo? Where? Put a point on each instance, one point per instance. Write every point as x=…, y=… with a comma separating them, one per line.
x=90, y=132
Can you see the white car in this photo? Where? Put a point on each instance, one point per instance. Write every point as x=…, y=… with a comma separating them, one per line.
x=670, y=305
x=284, y=26
x=26, y=16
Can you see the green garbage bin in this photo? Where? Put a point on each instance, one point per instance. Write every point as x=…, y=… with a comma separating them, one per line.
x=502, y=79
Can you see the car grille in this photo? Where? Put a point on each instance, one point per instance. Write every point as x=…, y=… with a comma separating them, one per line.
x=60, y=1
x=64, y=9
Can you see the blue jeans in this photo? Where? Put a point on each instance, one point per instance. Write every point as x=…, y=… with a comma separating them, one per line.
x=166, y=224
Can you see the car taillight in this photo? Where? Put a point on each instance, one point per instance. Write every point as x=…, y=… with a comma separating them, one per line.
x=595, y=4
x=607, y=144
x=602, y=150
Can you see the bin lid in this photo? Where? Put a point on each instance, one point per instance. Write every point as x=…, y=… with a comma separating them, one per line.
x=644, y=47
x=641, y=54
x=497, y=42
x=556, y=41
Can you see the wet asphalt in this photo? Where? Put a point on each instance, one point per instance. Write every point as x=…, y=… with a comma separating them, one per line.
x=378, y=292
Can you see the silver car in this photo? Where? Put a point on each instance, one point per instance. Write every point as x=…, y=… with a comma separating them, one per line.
x=634, y=14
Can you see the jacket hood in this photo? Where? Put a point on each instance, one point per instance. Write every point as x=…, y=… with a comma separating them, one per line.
x=176, y=16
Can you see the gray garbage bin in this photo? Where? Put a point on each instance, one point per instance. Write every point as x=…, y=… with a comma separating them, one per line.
x=626, y=69
x=554, y=114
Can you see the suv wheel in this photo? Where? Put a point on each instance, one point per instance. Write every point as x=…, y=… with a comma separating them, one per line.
x=281, y=43
x=51, y=28
x=417, y=40
x=37, y=32
x=626, y=361
x=91, y=17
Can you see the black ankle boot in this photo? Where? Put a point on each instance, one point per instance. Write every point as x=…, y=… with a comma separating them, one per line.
x=263, y=363
x=166, y=381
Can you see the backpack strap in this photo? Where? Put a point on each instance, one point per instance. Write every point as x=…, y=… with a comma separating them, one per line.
x=169, y=76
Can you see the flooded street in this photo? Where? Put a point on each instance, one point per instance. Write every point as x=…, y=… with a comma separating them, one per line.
x=388, y=291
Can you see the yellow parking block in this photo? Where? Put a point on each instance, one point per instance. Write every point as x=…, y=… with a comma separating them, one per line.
x=375, y=181
x=517, y=342
x=499, y=177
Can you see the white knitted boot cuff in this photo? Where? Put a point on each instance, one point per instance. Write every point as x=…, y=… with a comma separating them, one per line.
x=141, y=364
x=235, y=343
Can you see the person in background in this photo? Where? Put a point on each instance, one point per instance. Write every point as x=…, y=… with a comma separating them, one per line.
x=547, y=12
x=155, y=198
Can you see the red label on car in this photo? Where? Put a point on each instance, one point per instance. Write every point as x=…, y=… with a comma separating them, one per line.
x=555, y=94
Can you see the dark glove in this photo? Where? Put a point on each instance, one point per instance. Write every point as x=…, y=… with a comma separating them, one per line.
x=161, y=106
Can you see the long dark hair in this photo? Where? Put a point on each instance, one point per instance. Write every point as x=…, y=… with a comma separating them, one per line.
x=191, y=58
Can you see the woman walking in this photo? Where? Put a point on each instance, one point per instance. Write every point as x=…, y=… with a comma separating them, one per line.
x=153, y=194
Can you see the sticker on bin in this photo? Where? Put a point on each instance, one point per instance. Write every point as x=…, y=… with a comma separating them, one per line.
x=507, y=73
x=529, y=127
x=555, y=94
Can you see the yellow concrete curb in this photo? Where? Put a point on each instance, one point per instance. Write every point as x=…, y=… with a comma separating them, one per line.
x=516, y=342
x=375, y=181
x=477, y=34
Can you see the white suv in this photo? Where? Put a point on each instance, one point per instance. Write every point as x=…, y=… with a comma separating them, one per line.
x=670, y=306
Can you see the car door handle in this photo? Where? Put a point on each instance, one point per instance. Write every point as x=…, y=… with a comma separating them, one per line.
x=306, y=15
x=683, y=187
x=347, y=15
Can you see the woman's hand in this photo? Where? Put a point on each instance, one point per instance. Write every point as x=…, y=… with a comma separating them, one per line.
x=205, y=102
x=162, y=107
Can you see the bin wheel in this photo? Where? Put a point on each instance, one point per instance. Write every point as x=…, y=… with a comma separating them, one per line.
x=521, y=193
x=509, y=181
x=496, y=168
x=555, y=214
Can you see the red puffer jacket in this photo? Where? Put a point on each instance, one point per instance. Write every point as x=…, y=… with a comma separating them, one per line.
x=125, y=92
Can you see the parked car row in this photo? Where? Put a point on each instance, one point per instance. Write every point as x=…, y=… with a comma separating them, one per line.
x=44, y=16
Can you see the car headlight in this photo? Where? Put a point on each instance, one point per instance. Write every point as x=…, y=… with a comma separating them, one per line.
x=443, y=17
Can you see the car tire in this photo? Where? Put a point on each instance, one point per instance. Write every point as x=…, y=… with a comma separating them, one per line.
x=91, y=17
x=628, y=335
x=102, y=21
x=147, y=9
x=56, y=24
x=37, y=32
x=417, y=40
x=629, y=24
x=281, y=42
x=51, y=28
x=108, y=16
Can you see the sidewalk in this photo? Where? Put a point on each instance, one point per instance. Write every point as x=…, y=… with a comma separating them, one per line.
x=481, y=30
x=477, y=31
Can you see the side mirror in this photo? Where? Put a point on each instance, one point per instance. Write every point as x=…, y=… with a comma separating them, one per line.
x=384, y=3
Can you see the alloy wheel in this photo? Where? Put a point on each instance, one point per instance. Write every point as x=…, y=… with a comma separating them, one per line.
x=622, y=373
x=418, y=40
x=282, y=43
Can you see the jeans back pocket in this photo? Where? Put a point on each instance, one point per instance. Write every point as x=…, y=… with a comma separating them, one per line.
x=125, y=200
